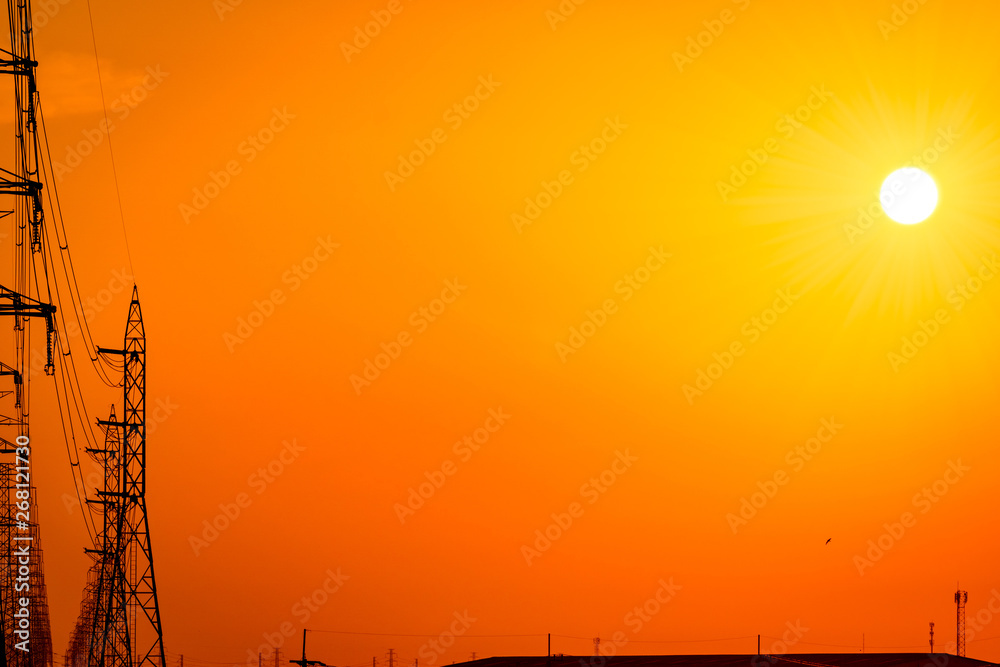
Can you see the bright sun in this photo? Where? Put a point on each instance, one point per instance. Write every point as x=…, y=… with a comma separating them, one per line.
x=909, y=195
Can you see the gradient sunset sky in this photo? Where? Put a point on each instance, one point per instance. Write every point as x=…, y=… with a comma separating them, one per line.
x=415, y=298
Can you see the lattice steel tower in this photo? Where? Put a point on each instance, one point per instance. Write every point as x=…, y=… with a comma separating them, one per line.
x=25, y=299
x=961, y=597
x=119, y=624
x=101, y=632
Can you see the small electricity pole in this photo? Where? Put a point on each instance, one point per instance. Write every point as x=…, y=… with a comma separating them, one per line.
x=303, y=662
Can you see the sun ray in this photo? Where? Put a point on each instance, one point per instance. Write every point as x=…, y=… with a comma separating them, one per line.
x=822, y=197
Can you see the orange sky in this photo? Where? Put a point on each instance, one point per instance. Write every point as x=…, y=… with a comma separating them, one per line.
x=523, y=216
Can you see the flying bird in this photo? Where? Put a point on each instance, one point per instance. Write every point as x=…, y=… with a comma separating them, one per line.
x=827, y=542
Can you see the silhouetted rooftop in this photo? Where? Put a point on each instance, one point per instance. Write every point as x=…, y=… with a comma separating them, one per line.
x=753, y=660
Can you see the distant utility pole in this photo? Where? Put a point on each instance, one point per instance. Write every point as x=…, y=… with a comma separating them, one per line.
x=303, y=662
x=932, y=638
x=961, y=597
x=391, y=656
x=597, y=646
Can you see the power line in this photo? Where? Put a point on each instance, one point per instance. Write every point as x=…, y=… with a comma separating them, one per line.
x=200, y=661
x=188, y=658
x=662, y=641
x=396, y=634
x=69, y=269
x=107, y=124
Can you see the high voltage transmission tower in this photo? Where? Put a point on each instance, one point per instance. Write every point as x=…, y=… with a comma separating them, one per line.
x=119, y=623
x=103, y=603
x=24, y=297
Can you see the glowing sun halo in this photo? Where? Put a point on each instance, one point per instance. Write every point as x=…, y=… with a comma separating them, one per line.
x=909, y=195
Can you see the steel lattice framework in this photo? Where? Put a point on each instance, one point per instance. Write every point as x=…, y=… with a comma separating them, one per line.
x=101, y=632
x=119, y=623
x=961, y=597
x=24, y=617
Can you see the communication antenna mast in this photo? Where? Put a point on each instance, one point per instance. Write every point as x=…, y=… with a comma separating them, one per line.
x=961, y=597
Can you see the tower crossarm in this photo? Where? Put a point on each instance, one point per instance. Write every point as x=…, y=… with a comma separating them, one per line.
x=14, y=65
x=12, y=303
x=19, y=305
